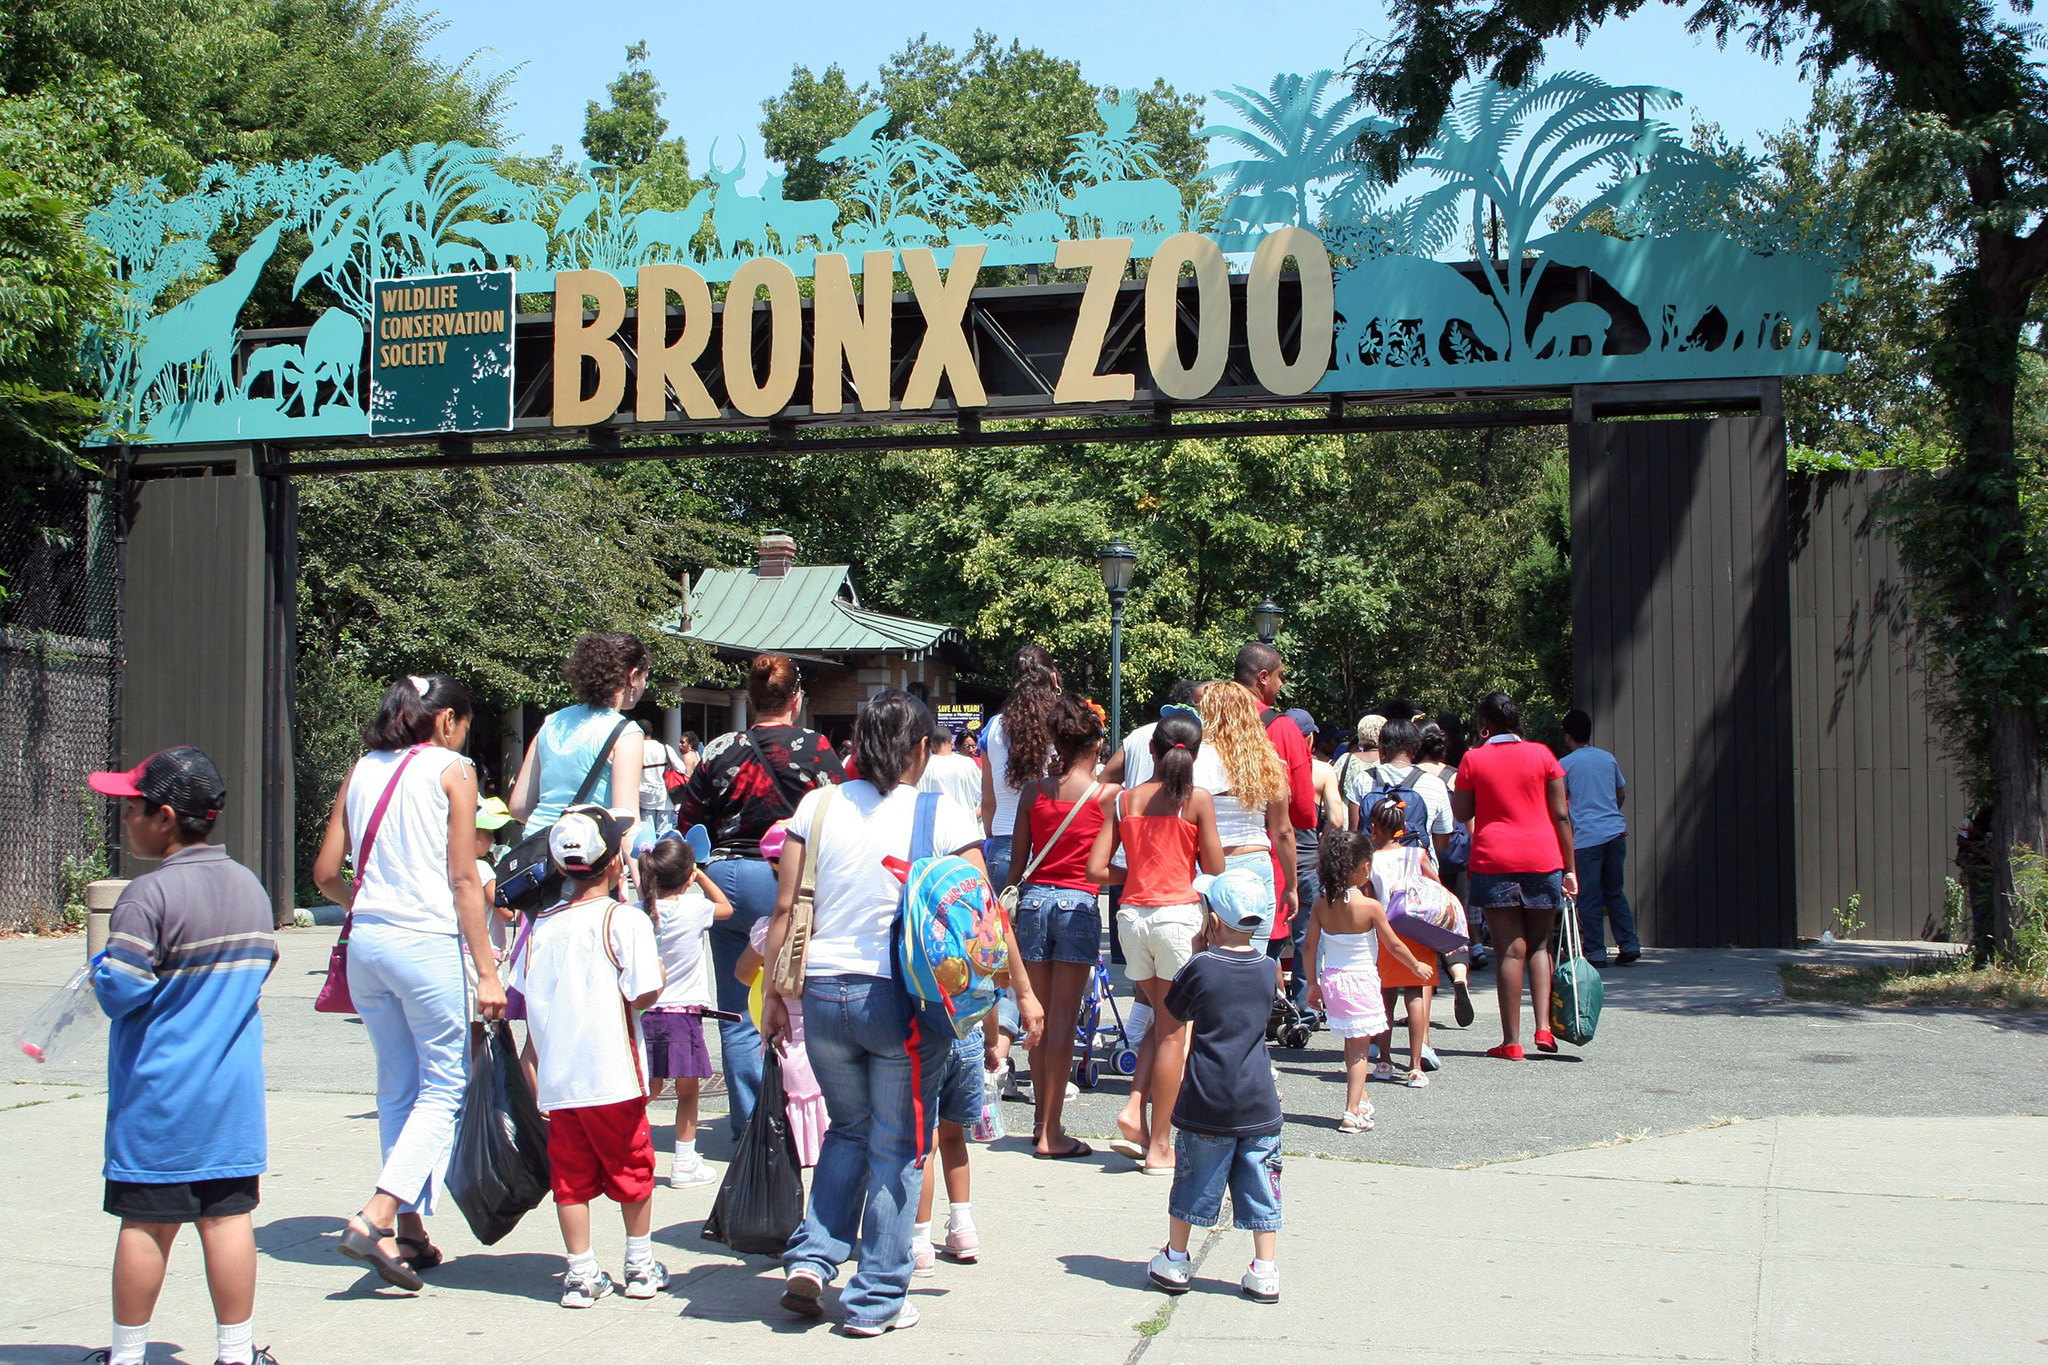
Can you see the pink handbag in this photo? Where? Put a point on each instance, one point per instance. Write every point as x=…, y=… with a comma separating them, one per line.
x=334, y=997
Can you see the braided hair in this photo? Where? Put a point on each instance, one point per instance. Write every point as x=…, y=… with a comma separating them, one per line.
x=1389, y=815
x=1337, y=858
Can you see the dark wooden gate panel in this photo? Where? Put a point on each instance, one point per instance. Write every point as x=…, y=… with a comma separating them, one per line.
x=1878, y=799
x=1681, y=646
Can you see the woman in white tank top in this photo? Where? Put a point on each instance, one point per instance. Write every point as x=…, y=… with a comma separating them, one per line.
x=415, y=901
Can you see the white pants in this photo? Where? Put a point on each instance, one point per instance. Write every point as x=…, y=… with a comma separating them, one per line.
x=413, y=995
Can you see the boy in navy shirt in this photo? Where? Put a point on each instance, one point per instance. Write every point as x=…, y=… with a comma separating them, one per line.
x=1227, y=1120
x=189, y=947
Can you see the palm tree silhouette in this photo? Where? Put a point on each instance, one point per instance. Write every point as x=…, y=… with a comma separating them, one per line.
x=1295, y=135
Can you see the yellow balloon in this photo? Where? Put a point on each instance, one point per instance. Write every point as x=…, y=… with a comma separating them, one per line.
x=754, y=1001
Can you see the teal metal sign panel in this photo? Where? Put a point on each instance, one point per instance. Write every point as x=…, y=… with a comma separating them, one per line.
x=1435, y=290
x=441, y=354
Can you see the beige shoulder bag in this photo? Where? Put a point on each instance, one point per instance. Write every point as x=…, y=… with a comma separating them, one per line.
x=1012, y=893
x=788, y=976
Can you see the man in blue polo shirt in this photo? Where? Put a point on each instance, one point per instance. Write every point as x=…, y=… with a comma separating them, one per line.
x=1596, y=788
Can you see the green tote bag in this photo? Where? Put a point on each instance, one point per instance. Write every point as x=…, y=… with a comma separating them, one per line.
x=1576, y=991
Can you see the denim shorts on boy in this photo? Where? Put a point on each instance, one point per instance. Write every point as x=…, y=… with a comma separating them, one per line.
x=675, y=1044
x=960, y=1084
x=1058, y=924
x=1007, y=1019
x=601, y=1149
x=1158, y=939
x=1205, y=1166
x=1517, y=890
x=182, y=1201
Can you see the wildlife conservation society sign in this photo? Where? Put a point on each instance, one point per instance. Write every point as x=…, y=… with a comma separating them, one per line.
x=441, y=354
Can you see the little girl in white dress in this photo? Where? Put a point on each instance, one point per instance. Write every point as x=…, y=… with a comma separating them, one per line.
x=1347, y=926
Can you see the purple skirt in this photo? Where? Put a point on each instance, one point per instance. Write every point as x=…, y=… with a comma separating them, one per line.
x=675, y=1044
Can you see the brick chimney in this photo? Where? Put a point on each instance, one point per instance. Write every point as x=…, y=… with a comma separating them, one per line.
x=775, y=555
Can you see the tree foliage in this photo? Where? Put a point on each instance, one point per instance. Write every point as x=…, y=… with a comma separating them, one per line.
x=628, y=133
x=1953, y=137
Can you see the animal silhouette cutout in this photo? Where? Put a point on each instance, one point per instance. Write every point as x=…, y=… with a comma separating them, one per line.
x=792, y=220
x=1402, y=307
x=675, y=229
x=278, y=362
x=333, y=353
x=1560, y=330
x=1034, y=225
x=504, y=242
x=856, y=142
x=452, y=256
x=200, y=332
x=1126, y=208
x=1274, y=208
x=736, y=217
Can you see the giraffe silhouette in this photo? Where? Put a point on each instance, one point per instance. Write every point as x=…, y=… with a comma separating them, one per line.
x=201, y=330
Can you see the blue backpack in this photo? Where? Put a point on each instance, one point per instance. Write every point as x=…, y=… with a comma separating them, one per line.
x=1417, y=812
x=950, y=940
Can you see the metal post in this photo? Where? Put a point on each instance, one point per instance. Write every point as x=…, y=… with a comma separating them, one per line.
x=1116, y=668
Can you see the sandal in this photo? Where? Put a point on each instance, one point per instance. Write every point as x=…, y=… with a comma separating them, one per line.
x=1417, y=1079
x=1077, y=1148
x=426, y=1258
x=1354, y=1122
x=367, y=1247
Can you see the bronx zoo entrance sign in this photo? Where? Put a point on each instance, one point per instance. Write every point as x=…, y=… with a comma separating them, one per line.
x=1557, y=235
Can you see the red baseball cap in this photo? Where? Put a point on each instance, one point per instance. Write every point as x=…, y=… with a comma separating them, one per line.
x=182, y=778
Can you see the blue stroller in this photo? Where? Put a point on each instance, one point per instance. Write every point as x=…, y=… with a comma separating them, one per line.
x=1096, y=1036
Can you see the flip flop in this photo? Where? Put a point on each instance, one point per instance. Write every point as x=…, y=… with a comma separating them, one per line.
x=1461, y=1007
x=367, y=1248
x=1124, y=1147
x=1157, y=1170
x=1079, y=1148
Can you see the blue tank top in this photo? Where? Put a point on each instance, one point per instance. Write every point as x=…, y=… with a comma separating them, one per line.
x=567, y=744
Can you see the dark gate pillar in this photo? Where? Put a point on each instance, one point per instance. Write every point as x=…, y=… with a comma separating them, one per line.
x=207, y=628
x=1681, y=647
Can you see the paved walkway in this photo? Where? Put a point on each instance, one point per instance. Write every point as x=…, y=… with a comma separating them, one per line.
x=1902, y=1217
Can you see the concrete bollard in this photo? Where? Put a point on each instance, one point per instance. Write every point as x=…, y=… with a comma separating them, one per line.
x=99, y=911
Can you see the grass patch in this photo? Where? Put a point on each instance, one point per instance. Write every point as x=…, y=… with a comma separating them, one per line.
x=1934, y=982
x=1154, y=1325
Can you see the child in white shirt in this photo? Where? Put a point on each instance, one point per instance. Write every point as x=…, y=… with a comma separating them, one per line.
x=682, y=904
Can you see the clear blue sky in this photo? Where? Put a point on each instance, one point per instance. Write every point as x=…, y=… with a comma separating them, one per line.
x=718, y=62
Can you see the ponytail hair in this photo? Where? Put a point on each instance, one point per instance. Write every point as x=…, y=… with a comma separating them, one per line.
x=886, y=734
x=406, y=715
x=1176, y=739
x=1337, y=859
x=665, y=870
x=1389, y=815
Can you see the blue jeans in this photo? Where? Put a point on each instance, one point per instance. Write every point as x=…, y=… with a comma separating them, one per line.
x=995, y=851
x=1058, y=924
x=1600, y=871
x=881, y=1091
x=410, y=989
x=749, y=883
x=1204, y=1166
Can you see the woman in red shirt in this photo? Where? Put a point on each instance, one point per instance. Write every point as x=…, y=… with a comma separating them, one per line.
x=1512, y=792
x=1059, y=929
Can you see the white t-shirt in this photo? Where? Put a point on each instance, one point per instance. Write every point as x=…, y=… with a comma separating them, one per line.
x=857, y=897
x=656, y=758
x=683, y=933
x=957, y=776
x=576, y=1008
x=1138, y=755
x=485, y=875
x=1436, y=797
x=405, y=881
x=1237, y=825
x=995, y=747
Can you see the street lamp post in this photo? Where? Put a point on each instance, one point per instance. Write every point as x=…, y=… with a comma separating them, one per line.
x=1266, y=619
x=1118, y=562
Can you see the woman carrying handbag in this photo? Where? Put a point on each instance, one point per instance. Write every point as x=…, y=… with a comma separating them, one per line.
x=409, y=809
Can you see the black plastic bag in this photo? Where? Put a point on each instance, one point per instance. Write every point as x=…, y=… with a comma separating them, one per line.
x=499, y=1169
x=761, y=1200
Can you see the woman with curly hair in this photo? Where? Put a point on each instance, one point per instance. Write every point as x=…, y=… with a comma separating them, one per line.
x=1016, y=751
x=608, y=674
x=1239, y=767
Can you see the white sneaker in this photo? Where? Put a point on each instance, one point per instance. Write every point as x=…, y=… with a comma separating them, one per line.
x=581, y=1291
x=1261, y=1288
x=1012, y=1089
x=924, y=1259
x=906, y=1317
x=646, y=1280
x=692, y=1175
x=1169, y=1275
x=801, y=1290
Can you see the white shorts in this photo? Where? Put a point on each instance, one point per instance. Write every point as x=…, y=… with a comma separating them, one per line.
x=1158, y=940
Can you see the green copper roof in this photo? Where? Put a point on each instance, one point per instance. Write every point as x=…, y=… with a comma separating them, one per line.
x=811, y=609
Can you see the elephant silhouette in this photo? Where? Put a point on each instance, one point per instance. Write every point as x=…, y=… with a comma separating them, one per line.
x=675, y=229
x=201, y=330
x=1560, y=328
x=1384, y=298
x=504, y=241
x=1126, y=207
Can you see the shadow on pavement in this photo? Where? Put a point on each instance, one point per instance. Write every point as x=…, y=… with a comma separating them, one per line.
x=1105, y=1270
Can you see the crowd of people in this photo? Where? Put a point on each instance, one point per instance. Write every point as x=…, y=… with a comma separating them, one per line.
x=1247, y=864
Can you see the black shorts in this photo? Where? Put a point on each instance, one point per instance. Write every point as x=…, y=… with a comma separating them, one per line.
x=182, y=1201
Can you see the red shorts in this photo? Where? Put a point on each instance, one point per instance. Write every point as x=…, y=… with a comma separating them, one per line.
x=602, y=1149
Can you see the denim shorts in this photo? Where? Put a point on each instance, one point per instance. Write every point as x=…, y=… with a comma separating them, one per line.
x=995, y=851
x=960, y=1084
x=1058, y=924
x=1517, y=890
x=1205, y=1166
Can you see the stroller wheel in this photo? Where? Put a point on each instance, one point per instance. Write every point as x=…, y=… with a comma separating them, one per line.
x=1297, y=1036
x=1088, y=1074
x=1126, y=1062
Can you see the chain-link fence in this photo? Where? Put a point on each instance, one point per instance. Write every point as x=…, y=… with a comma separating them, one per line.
x=60, y=620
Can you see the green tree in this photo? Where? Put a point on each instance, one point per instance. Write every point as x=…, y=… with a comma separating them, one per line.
x=1956, y=131
x=53, y=285
x=628, y=133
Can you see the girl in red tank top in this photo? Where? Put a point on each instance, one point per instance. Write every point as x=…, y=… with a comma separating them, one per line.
x=1166, y=828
